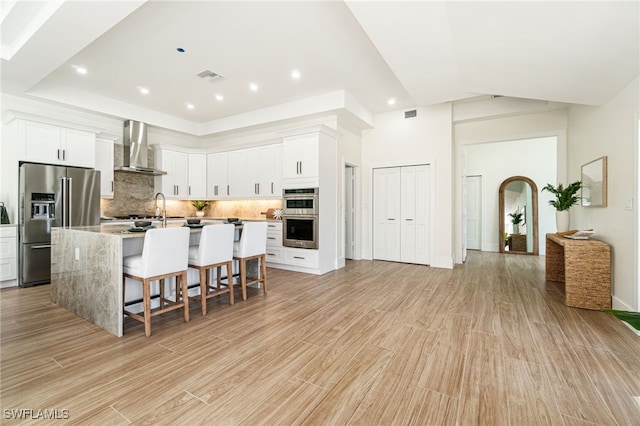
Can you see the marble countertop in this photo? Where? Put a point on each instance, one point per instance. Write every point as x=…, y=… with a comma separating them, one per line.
x=123, y=230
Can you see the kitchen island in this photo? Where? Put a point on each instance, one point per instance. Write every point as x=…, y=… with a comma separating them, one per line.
x=86, y=269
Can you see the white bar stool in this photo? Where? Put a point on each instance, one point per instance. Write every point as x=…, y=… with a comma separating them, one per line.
x=164, y=254
x=215, y=250
x=252, y=245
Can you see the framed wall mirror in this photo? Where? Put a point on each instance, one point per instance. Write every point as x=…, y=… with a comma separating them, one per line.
x=518, y=216
x=594, y=183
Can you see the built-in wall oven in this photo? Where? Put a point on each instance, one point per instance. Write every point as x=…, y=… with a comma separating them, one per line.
x=300, y=218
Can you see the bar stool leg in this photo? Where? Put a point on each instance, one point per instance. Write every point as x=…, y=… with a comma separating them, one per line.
x=243, y=278
x=204, y=289
x=185, y=295
x=146, y=299
x=229, y=280
x=263, y=273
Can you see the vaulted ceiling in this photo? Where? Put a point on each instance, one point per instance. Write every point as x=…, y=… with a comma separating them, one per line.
x=352, y=56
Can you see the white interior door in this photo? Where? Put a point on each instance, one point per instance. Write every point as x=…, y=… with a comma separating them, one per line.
x=473, y=215
x=386, y=213
x=415, y=214
x=349, y=212
x=379, y=214
x=408, y=214
x=401, y=214
x=393, y=214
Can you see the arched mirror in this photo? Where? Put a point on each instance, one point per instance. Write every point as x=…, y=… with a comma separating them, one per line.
x=518, y=210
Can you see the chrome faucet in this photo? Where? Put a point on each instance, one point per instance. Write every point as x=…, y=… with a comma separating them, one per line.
x=164, y=208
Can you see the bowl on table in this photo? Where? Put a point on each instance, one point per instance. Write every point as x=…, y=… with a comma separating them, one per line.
x=142, y=223
x=193, y=221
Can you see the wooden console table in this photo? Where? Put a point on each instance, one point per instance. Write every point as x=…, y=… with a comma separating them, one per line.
x=584, y=266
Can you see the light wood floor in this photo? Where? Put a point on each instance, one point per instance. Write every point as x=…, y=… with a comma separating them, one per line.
x=376, y=343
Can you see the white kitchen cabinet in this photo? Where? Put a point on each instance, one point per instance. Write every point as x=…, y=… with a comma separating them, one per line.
x=175, y=184
x=104, y=163
x=400, y=214
x=8, y=253
x=46, y=143
x=197, y=176
x=300, y=156
x=302, y=257
x=242, y=173
x=245, y=173
x=269, y=171
x=217, y=187
x=275, y=251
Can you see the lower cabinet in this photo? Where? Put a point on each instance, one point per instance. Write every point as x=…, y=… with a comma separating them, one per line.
x=8, y=255
x=302, y=257
x=280, y=256
x=275, y=251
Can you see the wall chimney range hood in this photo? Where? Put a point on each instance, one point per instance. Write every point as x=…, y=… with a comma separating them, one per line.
x=135, y=150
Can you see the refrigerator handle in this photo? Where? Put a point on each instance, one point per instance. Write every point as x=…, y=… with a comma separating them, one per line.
x=64, y=200
x=70, y=201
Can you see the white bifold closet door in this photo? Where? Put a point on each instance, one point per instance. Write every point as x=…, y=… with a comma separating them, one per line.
x=401, y=213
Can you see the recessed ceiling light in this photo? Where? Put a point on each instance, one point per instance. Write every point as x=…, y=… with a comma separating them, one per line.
x=79, y=70
x=219, y=97
x=391, y=101
x=143, y=90
x=180, y=50
x=295, y=74
x=253, y=87
x=189, y=106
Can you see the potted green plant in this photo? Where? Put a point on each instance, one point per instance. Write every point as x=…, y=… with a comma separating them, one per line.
x=565, y=197
x=199, y=205
x=516, y=219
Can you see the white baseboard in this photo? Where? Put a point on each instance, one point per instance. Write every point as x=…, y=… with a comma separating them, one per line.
x=442, y=262
x=619, y=305
x=8, y=283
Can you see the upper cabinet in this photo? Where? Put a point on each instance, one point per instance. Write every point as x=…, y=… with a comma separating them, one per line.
x=104, y=163
x=175, y=184
x=197, y=176
x=300, y=158
x=270, y=170
x=255, y=172
x=217, y=187
x=241, y=173
x=46, y=143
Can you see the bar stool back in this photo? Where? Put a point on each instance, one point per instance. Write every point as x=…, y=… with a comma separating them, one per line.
x=252, y=245
x=164, y=255
x=215, y=250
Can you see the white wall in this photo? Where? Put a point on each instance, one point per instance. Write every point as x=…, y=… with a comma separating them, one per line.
x=495, y=162
x=397, y=141
x=349, y=152
x=610, y=130
x=517, y=123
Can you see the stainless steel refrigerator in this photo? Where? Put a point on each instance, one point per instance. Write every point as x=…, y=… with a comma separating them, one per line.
x=52, y=196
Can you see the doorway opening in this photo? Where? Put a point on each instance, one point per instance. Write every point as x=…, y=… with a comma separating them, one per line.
x=473, y=212
x=350, y=212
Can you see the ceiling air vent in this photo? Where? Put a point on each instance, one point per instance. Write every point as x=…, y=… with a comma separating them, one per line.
x=210, y=75
x=411, y=114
